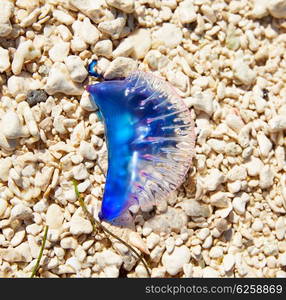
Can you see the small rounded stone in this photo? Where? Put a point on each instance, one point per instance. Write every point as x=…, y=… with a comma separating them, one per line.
x=36, y=96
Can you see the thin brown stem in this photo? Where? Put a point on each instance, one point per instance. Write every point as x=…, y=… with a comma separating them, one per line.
x=96, y=224
x=100, y=168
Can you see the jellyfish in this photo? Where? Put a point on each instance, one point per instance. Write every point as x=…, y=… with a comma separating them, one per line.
x=150, y=143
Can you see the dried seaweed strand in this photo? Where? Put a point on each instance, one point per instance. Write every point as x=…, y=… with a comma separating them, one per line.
x=97, y=224
x=100, y=168
x=37, y=265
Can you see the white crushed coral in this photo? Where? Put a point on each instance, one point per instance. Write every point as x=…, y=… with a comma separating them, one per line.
x=120, y=67
x=59, y=81
x=4, y=60
x=7, y=9
x=25, y=52
x=228, y=218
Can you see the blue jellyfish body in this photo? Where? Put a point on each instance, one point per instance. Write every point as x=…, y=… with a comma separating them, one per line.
x=150, y=141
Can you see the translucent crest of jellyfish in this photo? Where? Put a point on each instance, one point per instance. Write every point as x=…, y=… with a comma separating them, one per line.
x=150, y=142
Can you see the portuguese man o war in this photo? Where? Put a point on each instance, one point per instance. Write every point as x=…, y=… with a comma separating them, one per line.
x=150, y=142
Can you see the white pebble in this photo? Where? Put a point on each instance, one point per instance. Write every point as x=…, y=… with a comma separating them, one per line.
x=277, y=8
x=264, y=143
x=77, y=44
x=22, y=84
x=170, y=244
x=254, y=166
x=59, y=81
x=280, y=274
x=135, y=240
x=234, y=187
x=260, y=8
x=25, y=51
x=169, y=35
x=4, y=59
x=239, y=203
x=220, y=199
x=25, y=110
x=266, y=177
x=120, y=67
x=112, y=27
x=59, y=51
x=3, y=207
x=186, y=12
x=280, y=228
x=80, y=172
x=179, y=80
x=103, y=48
x=282, y=259
x=237, y=173
x=214, y=179
x=69, y=243
x=79, y=225
x=54, y=216
x=82, y=187
x=108, y=258
x=125, y=48
x=74, y=263
x=31, y=18
x=141, y=271
x=18, y=237
x=209, y=272
x=78, y=133
x=203, y=233
x=15, y=128
x=124, y=5
x=217, y=145
x=188, y=270
x=87, y=150
x=260, y=104
x=228, y=262
x=202, y=102
x=137, y=44
x=54, y=235
x=65, y=33
x=92, y=9
x=270, y=249
x=87, y=103
x=152, y=240
x=234, y=122
x=197, y=250
x=175, y=261
x=7, y=9
x=34, y=229
x=243, y=73
x=280, y=157
x=52, y=263
x=257, y=225
x=277, y=123
x=63, y=17
x=194, y=209
x=5, y=165
x=157, y=61
x=70, y=195
x=216, y=252
x=88, y=32
x=80, y=253
x=21, y=253
x=232, y=149
x=21, y=212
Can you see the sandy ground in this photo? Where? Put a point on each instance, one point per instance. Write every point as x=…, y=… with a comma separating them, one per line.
x=226, y=59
